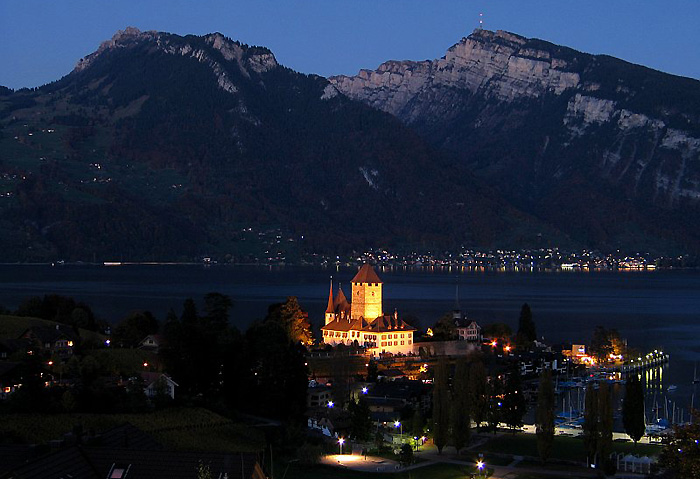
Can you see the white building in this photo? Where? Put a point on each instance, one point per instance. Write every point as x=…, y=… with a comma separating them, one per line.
x=362, y=322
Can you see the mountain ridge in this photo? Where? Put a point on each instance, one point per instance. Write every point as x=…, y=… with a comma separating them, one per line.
x=527, y=115
x=159, y=147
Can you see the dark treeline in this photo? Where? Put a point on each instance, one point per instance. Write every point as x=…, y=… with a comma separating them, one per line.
x=259, y=371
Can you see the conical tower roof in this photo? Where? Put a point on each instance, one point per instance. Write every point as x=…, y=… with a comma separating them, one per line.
x=366, y=275
x=330, y=308
x=340, y=300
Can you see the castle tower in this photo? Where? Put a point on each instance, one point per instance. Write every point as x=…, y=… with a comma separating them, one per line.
x=330, y=310
x=366, y=299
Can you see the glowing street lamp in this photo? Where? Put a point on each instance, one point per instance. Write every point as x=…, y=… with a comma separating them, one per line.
x=364, y=390
x=330, y=404
x=398, y=424
x=341, y=441
x=480, y=466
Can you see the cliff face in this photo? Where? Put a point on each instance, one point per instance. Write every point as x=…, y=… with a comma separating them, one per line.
x=536, y=119
x=496, y=83
x=493, y=64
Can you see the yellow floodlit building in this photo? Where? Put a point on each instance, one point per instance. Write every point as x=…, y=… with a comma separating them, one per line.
x=361, y=321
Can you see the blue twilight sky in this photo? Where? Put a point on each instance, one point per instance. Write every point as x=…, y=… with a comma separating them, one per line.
x=40, y=40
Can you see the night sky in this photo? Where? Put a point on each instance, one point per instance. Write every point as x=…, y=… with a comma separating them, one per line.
x=41, y=41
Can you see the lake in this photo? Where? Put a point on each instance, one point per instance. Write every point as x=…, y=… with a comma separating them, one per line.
x=653, y=309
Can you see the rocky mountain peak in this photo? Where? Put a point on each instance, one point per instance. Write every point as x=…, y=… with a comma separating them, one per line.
x=247, y=60
x=121, y=39
x=495, y=64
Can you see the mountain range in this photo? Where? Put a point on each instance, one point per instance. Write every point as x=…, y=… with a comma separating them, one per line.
x=163, y=147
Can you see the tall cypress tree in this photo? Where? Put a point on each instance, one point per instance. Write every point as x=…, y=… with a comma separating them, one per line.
x=494, y=392
x=544, y=419
x=605, y=421
x=590, y=423
x=441, y=408
x=633, y=409
x=460, y=405
x=514, y=404
x=526, y=326
x=478, y=399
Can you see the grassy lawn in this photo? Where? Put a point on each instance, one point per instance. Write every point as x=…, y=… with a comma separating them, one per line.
x=564, y=448
x=192, y=429
x=436, y=471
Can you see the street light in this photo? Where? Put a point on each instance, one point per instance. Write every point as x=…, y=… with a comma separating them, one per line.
x=330, y=404
x=364, y=390
x=480, y=466
x=398, y=424
x=341, y=441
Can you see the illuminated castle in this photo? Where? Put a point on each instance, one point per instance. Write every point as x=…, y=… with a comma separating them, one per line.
x=361, y=320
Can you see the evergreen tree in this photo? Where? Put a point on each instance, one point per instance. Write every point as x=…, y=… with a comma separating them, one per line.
x=590, y=423
x=406, y=455
x=189, y=311
x=441, y=409
x=514, y=405
x=460, y=405
x=633, y=408
x=360, y=419
x=526, y=326
x=605, y=421
x=478, y=399
x=494, y=412
x=544, y=415
x=216, y=307
x=417, y=423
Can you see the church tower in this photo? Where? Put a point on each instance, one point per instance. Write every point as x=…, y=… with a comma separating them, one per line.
x=366, y=299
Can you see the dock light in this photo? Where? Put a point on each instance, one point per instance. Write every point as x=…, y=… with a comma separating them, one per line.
x=330, y=404
x=341, y=441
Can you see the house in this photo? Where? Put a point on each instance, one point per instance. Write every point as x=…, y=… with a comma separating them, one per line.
x=411, y=393
x=317, y=395
x=9, y=347
x=152, y=342
x=57, y=341
x=362, y=322
x=469, y=331
x=10, y=378
x=155, y=383
x=329, y=422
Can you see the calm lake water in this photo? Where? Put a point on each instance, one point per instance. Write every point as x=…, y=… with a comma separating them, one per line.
x=652, y=309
